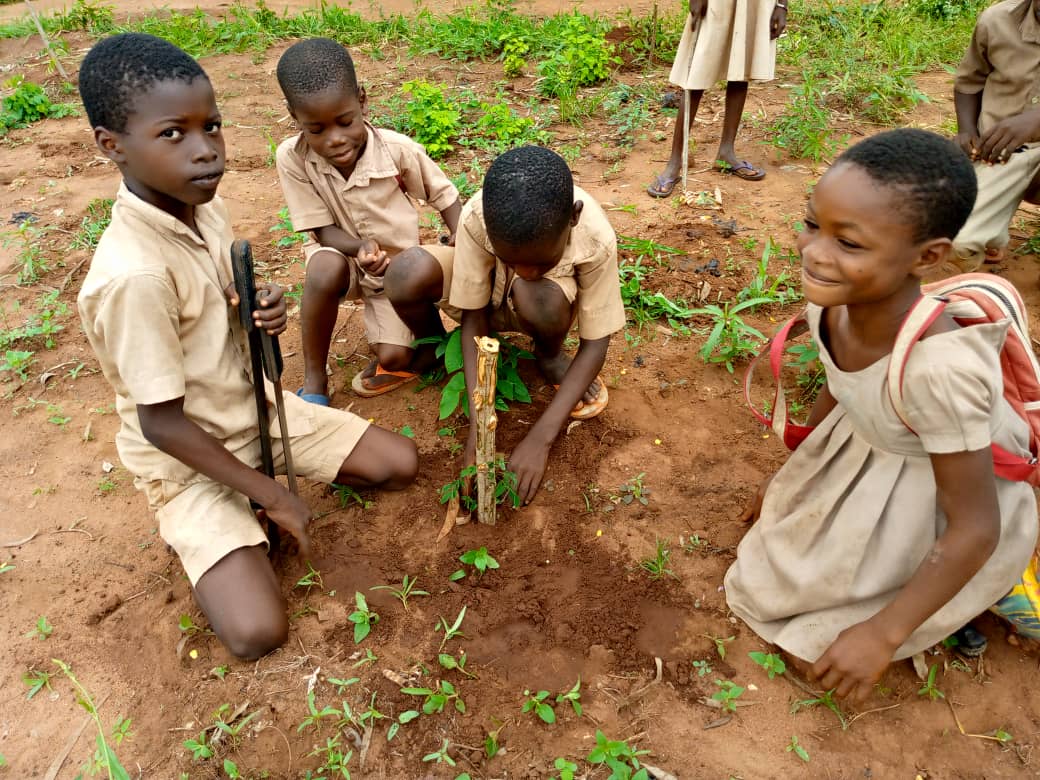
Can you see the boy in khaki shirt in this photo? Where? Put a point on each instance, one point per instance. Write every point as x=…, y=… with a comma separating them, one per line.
x=349, y=185
x=158, y=308
x=532, y=254
x=997, y=97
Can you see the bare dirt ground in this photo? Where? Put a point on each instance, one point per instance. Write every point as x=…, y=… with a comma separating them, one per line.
x=569, y=601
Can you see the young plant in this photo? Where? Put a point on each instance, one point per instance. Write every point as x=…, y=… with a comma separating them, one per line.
x=233, y=729
x=370, y=658
x=28, y=103
x=798, y=750
x=730, y=338
x=536, y=703
x=6, y=566
x=827, y=700
x=567, y=769
x=37, y=680
x=347, y=495
x=633, y=490
x=771, y=662
x=290, y=237
x=453, y=631
x=405, y=592
x=929, y=689
x=727, y=694
x=336, y=760
x=657, y=567
x=188, y=626
x=620, y=757
x=311, y=579
x=362, y=618
x=198, y=747
x=342, y=685
x=479, y=559
x=703, y=668
x=720, y=643
x=42, y=629
x=776, y=290
x=314, y=715
x=97, y=218
x=436, y=699
x=441, y=756
x=450, y=662
x=573, y=696
x=432, y=119
x=104, y=757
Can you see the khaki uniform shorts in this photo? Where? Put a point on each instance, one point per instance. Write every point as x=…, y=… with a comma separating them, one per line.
x=504, y=318
x=204, y=520
x=1001, y=189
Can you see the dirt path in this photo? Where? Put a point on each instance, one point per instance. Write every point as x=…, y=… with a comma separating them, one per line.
x=569, y=600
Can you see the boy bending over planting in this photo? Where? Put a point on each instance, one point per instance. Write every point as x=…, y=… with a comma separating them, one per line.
x=533, y=254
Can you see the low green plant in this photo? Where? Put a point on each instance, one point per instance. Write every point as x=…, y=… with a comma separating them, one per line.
x=36, y=680
x=798, y=750
x=450, y=662
x=405, y=592
x=929, y=688
x=618, y=756
x=315, y=716
x=6, y=566
x=567, y=769
x=104, y=756
x=633, y=490
x=17, y=362
x=453, y=631
x=657, y=566
x=500, y=128
x=727, y=694
x=515, y=49
x=702, y=667
x=336, y=760
x=771, y=662
x=432, y=118
x=233, y=729
x=285, y=226
x=188, y=626
x=803, y=127
x=480, y=559
x=441, y=756
x=536, y=703
x=436, y=699
x=93, y=224
x=505, y=489
x=627, y=111
x=30, y=260
x=347, y=495
x=28, y=103
x=362, y=618
x=827, y=700
x=311, y=579
x=763, y=287
x=198, y=747
x=41, y=630
x=730, y=338
x=720, y=643
x=582, y=56
x=573, y=696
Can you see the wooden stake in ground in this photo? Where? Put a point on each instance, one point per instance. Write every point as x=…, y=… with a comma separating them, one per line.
x=46, y=41
x=685, y=137
x=482, y=408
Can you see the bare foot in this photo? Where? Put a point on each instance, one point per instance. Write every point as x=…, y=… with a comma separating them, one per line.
x=554, y=368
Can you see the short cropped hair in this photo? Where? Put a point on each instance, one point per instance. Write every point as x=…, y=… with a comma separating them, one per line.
x=933, y=177
x=315, y=65
x=118, y=69
x=528, y=194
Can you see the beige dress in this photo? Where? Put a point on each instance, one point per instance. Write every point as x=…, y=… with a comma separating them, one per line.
x=852, y=513
x=731, y=43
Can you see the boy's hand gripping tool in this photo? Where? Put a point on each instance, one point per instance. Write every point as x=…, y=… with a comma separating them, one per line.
x=266, y=359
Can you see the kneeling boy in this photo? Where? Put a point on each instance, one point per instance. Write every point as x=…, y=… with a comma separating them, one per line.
x=158, y=308
x=533, y=253
x=348, y=184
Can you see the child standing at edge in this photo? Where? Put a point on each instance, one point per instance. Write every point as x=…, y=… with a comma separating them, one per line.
x=731, y=40
x=874, y=542
x=997, y=97
x=534, y=253
x=345, y=182
x=158, y=307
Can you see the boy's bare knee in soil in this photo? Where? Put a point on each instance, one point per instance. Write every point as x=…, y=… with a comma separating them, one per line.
x=381, y=459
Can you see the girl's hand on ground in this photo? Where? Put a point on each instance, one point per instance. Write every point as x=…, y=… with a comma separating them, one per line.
x=970, y=143
x=855, y=662
x=528, y=463
x=754, y=510
x=292, y=514
x=698, y=9
x=271, y=313
x=777, y=23
x=372, y=259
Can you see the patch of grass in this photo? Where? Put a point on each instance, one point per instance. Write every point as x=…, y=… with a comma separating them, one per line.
x=97, y=218
x=657, y=566
x=581, y=55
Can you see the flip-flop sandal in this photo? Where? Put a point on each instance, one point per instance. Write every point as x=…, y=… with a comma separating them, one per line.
x=662, y=187
x=970, y=641
x=742, y=170
x=584, y=411
x=313, y=398
x=994, y=255
x=364, y=387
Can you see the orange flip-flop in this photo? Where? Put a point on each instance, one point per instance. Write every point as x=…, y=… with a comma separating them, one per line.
x=584, y=411
x=360, y=383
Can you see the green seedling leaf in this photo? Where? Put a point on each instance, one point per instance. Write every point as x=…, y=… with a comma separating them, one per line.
x=363, y=618
x=479, y=559
x=455, y=576
x=771, y=662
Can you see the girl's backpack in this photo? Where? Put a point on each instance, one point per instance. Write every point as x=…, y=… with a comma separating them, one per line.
x=971, y=299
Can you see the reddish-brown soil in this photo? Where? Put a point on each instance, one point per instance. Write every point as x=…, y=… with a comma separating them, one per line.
x=569, y=601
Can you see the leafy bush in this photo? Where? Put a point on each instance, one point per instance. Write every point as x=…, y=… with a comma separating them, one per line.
x=27, y=104
x=433, y=120
x=582, y=57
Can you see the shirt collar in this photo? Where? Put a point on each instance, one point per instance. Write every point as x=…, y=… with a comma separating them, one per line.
x=375, y=163
x=1029, y=26
x=161, y=220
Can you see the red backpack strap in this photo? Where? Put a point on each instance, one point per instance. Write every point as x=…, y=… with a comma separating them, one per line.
x=790, y=433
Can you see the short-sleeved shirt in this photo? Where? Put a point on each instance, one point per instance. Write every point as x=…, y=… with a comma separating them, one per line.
x=154, y=310
x=1003, y=62
x=590, y=257
x=371, y=203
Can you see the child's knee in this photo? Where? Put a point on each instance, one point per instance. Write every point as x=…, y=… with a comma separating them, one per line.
x=413, y=276
x=542, y=306
x=255, y=636
x=394, y=357
x=328, y=272
x=403, y=465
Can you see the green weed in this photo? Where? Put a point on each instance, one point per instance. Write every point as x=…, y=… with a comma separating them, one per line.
x=362, y=618
x=453, y=631
x=436, y=699
x=28, y=103
x=535, y=703
x=459, y=664
x=730, y=338
x=36, y=680
x=41, y=630
x=30, y=261
x=97, y=218
x=798, y=750
x=581, y=57
x=777, y=290
x=573, y=696
x=405, y=592
x=479, y=559
x=433, y=119
x=720, y=643
x=771, y=662
x=618, y=756
x=827, y=700
x=285, y=226
x=441, y=756
x=657, y=566
x=104, y=756
x=929, y=688
x=347, y=495
x=727, y=694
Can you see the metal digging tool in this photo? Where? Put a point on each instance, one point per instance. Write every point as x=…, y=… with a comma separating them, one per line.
x=266, y=360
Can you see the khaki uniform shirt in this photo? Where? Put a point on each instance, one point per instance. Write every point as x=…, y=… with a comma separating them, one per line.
x=153, y=309
x=590, y=259
x=370, y=204
x=1003, y=62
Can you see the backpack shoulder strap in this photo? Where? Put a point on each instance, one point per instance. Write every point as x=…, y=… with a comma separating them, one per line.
x=790, y=433
x=918, y=320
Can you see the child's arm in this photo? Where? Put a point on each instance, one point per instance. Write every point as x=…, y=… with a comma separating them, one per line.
x=968, y=84
x=450, y=216
x=529, y=458
x=966, y=493
x=369, y=256
x=165, y=426
x=968, y=106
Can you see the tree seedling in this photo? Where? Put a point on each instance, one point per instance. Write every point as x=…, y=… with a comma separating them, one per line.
x=727, y=694
x=405, y=592
x=362, y=618
x=449, y=662
x=342, y=685
x=315, y=716
x=453, y=631
x=573, y=696
x=36, y=680
x=198, y=747
x=41, y=630
x=720, y=643
x=619, y=756
x=188, y=626
x=797, y=749
x=346, y=494
x=703, y=668
x=437, y=699
x=771, y=662
x=929, y=689
x=565, y=768
x=441, y=756
x=480, y=560
x=657, y=567
x=311, y=579
x=370, y=658
x=536, y=703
